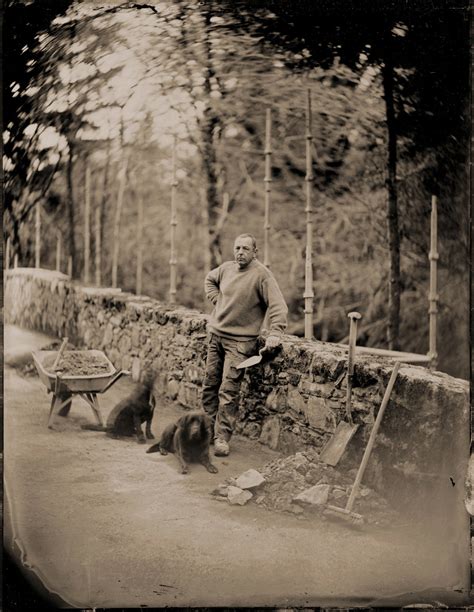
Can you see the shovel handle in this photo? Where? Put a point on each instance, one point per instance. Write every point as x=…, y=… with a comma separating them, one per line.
x=60, y=352
x=373, y=434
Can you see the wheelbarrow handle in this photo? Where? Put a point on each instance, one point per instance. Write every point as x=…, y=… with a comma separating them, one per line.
x=118, y=374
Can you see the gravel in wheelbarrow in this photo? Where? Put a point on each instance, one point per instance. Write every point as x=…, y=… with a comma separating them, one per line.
x=77, y=363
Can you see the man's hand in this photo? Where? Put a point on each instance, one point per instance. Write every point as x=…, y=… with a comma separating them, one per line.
x=272, y=342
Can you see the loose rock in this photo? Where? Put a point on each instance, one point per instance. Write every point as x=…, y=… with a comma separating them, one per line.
x=237, y=496
x=250, y=479
x=315, y=496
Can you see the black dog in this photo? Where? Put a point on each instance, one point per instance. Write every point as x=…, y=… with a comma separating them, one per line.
x=126, y=418
x=189, y=440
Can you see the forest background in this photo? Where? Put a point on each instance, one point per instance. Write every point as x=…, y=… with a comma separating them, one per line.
x=97, y=93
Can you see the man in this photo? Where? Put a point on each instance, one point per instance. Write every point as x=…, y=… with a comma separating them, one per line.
x=243, y=291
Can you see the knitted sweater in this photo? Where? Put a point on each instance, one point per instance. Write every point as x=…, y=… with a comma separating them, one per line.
x=241, y=299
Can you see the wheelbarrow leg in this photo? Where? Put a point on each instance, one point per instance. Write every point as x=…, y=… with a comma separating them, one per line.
x=58, y=403
x=96, y=408
x=93, y=401
x=65, y=409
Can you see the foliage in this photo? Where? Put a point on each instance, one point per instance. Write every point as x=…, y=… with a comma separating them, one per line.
x=119, y=83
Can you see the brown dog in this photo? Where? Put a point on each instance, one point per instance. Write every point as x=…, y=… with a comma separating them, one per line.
x=126, y=418
x=189, y=440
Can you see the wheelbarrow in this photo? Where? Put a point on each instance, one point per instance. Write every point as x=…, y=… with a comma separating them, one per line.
x=64, y=387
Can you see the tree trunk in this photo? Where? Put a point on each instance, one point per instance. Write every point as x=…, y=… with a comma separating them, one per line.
x=392, y=206
x=70, y=208
x=208, y=129
x=87, y=215
x=104, y=201
x=118, y=216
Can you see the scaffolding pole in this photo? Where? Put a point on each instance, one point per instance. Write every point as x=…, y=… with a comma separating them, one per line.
x=58, y=252
x=98, y=249
x=38, y=236
x=139, y=283
x=173, y=224
x=308, y=291
x=87, y=215
x=267, y=181
x=433, y=294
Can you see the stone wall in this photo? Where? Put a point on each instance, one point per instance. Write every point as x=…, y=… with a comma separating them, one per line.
x=295, y=400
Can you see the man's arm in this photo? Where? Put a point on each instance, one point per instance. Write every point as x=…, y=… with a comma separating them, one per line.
x=211, y=285
x=277, y=311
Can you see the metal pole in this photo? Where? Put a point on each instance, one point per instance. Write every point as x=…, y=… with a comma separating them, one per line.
x=267, y=181
x=87, y=213
x=353, y=317
x=58, y=252
x=98, y=247
x=38, y=236
x=139, y=243
x=7, y=254
x=308, y=291
x=173, y=224
x=433, y=294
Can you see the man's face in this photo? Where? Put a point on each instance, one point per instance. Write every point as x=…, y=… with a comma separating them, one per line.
x=244, y=252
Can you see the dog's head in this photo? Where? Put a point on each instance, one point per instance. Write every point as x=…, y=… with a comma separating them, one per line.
x=147, y=379
x=144, y=389
x=196, y=425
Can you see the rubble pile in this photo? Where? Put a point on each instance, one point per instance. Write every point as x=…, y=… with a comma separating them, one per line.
x=302, y=485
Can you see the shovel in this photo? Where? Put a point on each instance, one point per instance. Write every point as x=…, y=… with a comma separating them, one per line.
x=347, y=511
x=251, y=361
x=336, y=446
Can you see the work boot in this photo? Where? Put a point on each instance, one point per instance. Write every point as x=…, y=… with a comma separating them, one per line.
x=221, y=447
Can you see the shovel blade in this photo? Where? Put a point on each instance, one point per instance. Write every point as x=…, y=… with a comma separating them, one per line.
x=336, y=446
x=251, y=361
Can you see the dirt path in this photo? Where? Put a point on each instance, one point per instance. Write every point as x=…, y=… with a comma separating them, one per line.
x=104, y=524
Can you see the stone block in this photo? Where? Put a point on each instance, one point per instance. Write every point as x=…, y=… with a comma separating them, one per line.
x=188, y=395
x=237, y=496
x=136, y=369
x=277, y=400
x=319, y=415
x=126, y=362
x=172, y=389
x=193, y=374
x=115, y=357
x=252, y=430
x=314, y=496
x=271, y=433
x=108, y=336
x=288, y=442
x=250, y=479
x=135, y=336
x=125, y=344
x=296, y=401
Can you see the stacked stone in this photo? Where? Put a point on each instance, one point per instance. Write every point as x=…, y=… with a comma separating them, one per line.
x=291, y=403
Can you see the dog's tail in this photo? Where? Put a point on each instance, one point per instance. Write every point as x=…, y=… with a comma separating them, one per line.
x=154, y=448
x=92, y=427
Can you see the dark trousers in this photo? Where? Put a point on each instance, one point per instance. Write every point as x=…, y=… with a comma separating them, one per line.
x=221, y=386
